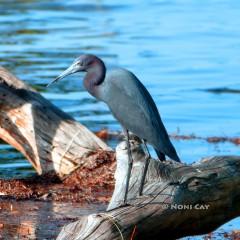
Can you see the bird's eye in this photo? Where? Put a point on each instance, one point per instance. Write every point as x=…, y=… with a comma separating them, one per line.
x=80, y=63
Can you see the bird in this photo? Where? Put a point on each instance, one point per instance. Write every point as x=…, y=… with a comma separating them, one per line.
x=130, y=103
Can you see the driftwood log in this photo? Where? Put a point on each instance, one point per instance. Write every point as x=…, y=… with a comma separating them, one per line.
x=50, y=139
x=179, y=200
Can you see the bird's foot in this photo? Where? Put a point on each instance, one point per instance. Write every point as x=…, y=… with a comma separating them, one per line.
x=124, y=204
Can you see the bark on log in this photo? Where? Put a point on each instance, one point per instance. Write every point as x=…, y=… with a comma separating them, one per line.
x=208, y=190
x=50, y=139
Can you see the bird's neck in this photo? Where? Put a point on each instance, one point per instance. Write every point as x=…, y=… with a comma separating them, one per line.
x=94, y=77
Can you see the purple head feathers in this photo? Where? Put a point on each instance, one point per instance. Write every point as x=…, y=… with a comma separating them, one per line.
x=94, y=67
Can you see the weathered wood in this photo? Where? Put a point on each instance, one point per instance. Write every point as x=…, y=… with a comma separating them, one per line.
x=179, y=200
x=49, y=138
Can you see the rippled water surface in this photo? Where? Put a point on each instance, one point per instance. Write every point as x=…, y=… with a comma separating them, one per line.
x=187, y=53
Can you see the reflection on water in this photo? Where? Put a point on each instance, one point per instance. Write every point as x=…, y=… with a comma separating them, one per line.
x=39, y=220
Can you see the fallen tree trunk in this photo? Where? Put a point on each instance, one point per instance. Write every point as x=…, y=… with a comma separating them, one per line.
x=178, y=200
x=50, y=139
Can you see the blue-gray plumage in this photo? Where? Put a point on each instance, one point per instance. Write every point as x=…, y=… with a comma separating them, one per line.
x=130, y=103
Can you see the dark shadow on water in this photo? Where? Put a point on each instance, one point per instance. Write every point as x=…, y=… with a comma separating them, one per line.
x=223, y=90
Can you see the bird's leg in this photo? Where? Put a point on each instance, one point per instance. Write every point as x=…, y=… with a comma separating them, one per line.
x=130, y=164
x=147, y=160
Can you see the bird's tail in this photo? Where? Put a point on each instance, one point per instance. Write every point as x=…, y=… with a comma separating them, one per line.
x=173, y=155
x=161, y=156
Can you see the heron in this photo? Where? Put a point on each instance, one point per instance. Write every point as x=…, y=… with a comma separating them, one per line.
x=130, y=103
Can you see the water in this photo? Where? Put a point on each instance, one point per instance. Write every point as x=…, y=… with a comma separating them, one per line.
x=28, y=220
x=179, y=49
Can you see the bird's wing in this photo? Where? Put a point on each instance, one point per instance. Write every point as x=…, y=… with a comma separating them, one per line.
x=134, y=107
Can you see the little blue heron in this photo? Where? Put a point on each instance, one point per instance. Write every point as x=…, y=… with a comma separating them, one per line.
x=130, y=103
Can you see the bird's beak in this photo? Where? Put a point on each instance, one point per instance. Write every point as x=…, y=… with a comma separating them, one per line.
x=72, y=69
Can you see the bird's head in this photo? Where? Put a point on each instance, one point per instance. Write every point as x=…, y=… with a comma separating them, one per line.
x=80, y=64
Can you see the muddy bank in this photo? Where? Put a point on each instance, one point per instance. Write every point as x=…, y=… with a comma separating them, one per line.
x=91, y=183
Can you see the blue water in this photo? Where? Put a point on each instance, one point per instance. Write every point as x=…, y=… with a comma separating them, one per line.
x=180, y=49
